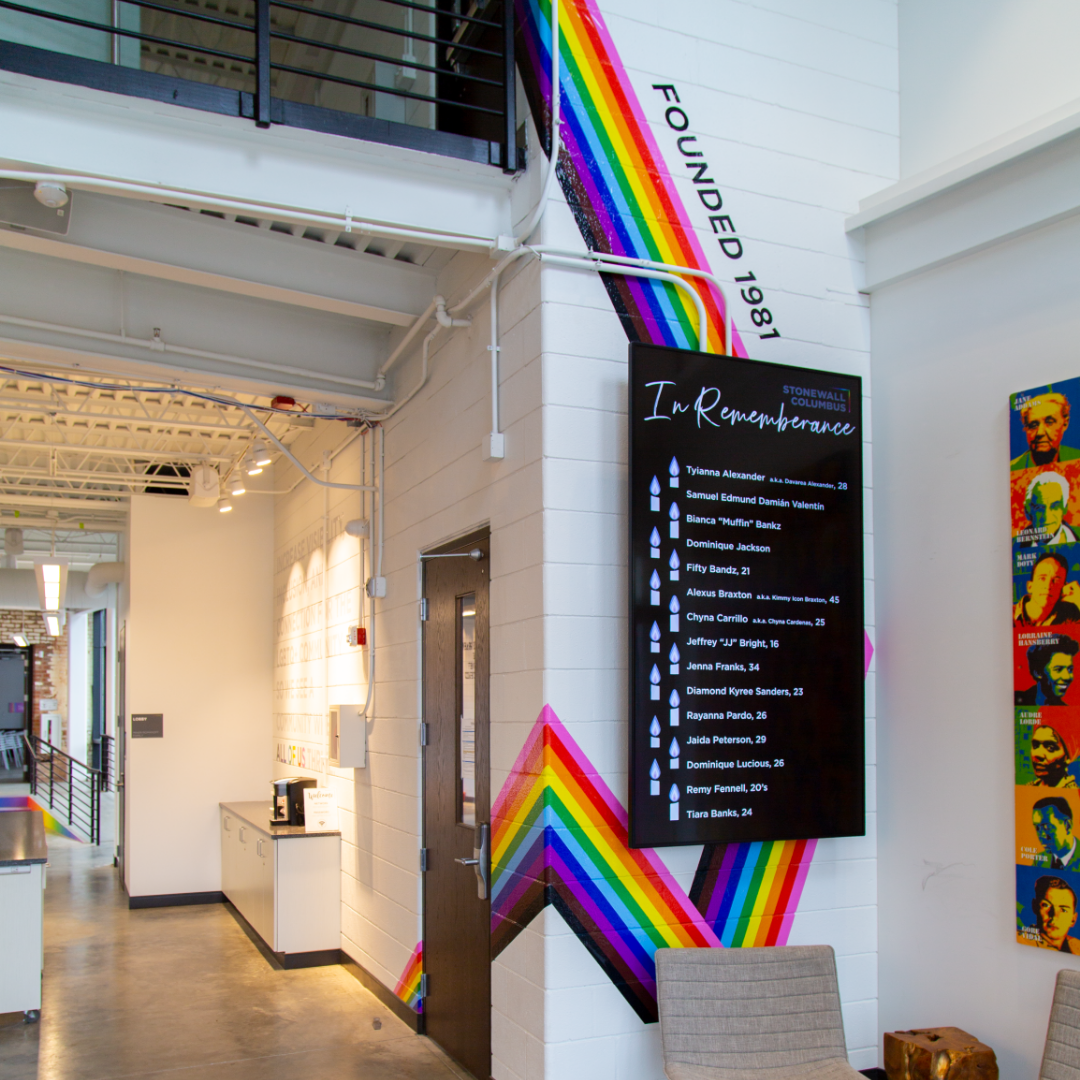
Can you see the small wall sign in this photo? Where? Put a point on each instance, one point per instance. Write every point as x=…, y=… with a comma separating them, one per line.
x=147, y=725
x=320, y=810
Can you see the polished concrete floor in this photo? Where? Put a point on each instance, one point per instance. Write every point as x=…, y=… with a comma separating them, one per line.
x=183, y=990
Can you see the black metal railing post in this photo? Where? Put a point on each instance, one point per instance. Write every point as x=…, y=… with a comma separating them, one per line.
x=262, y=63
x=510, y=162
x=84, y=804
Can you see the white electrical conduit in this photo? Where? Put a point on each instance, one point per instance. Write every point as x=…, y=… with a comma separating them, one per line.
x=289, y=454
x=159, y=346
x=375, y=563
x=343, y=222
x=556, y=140
x=642, y=272
x=593, y=260
x=364, y=455
x=625, y=260
x=443, y=321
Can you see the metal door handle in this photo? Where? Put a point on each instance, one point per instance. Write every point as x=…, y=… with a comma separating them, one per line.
x=242, y=831
x=468, y=862
x=258, y=847
x=479, y=861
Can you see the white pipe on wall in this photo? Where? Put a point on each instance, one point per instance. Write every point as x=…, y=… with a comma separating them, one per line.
x=343, y=222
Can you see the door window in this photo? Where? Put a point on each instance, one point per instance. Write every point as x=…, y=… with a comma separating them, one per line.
x=467, y=709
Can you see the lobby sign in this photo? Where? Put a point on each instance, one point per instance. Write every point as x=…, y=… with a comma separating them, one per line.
x=1044, y=487
x=746, y=601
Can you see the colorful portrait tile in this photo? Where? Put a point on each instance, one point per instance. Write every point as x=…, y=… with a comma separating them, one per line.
x=1047, y=743
x=1039, y=426
x=1045, y=505
x=1046, y=667
x=1048, y=829
x=1046, y=585
x=1046, y=909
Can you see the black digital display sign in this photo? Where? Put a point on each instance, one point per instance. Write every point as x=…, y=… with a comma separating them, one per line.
x=746, y=601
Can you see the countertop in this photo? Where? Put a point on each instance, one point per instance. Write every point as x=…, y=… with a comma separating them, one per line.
x=22, y=837
x=258, y=815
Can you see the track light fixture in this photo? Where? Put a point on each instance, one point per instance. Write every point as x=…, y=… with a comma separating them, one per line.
x=260, y=455
x=224, y=504
x=236, y=483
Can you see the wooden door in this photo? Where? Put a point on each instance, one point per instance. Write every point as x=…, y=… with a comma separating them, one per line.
x=457, y=918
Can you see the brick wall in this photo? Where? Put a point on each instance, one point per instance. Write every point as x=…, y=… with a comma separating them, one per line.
x=50, y=663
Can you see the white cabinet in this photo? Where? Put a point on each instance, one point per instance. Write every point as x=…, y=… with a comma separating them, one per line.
x=284, y=881
x=21, y=941
x=22, y=881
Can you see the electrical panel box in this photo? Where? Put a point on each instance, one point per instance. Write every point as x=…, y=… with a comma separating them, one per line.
x=348, y=737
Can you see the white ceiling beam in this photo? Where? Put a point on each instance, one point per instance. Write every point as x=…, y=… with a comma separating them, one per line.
x=62, y=249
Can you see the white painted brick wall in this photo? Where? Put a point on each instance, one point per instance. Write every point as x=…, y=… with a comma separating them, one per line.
x=438, y=487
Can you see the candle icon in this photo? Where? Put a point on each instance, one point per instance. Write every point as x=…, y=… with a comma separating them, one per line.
x=654, y=678
x=654, y=732
x=654, y=585
x=654, y=492
x=654, y=638
x=673, y=473
x=673, y=513
x=673, y=566
x=673, y=660
x=673, y=702
x=673, y=753
x=654, y=543
x=673, y=809
x=654, y=778
x=673, y=607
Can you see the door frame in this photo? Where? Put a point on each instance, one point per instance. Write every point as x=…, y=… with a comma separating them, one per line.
x=457, y=546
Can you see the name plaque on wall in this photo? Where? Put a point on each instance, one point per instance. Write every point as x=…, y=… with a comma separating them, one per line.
x=746, y=601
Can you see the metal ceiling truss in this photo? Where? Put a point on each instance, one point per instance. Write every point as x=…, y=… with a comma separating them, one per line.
x=78, y=451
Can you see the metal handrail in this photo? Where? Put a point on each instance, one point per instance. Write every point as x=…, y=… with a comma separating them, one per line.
x=367, y=24
x=459, y=89
x=83, y=803
x=115, y=31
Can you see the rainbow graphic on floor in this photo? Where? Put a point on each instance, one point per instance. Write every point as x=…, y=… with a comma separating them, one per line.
x=559, y=836
x=52, y=826
x=613, y=174
x=408, y=986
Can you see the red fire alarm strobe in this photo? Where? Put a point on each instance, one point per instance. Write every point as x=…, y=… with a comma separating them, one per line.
x=356, y=635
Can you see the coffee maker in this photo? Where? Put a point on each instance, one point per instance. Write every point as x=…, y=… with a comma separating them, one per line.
x=288, y=808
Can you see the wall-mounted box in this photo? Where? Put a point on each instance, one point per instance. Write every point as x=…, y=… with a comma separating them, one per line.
x=348, y=737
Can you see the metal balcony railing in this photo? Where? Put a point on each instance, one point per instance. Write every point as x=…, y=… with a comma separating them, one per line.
x=70, y=789
x=435, y=75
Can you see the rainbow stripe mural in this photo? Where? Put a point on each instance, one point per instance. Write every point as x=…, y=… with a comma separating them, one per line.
x=612, y=173
x=749, y=893
x=408, y=986
x=559, y=836
x=52, y=826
